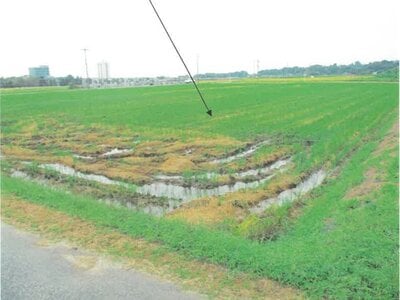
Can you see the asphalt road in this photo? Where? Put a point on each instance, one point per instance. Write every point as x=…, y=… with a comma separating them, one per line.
x=31, y=269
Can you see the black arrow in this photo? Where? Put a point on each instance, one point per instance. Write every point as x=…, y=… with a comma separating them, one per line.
x=209, y=111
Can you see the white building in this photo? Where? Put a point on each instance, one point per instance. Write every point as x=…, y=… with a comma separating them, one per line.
x=103, y=70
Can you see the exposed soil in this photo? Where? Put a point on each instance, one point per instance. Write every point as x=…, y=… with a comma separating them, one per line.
x=372, y=182
x=390, y=141
x=373, y=179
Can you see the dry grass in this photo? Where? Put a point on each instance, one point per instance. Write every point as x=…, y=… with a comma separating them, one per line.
x=44, y=143
x=55, y=142
x=29, y=129
x=149, y=257
x=176, y=164
x=212, y=210
x=21, y=153
x=113, y=169
x=206, y=211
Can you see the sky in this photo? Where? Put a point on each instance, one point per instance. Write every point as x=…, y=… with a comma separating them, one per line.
x=221, y=35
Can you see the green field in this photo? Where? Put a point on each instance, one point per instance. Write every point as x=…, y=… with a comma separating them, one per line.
x=340, y=240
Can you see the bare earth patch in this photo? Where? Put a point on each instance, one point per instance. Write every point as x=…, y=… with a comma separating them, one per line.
x=371, y=183
x=373, y=179
x=390, y=141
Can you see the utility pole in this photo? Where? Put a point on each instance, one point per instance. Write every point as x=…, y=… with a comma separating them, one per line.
x=197, y=66
x=86, y=65
x=258, y=67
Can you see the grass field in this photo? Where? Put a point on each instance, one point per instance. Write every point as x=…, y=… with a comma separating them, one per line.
x=339, y=240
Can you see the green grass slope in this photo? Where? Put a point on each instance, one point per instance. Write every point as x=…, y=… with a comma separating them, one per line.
x=355, y=255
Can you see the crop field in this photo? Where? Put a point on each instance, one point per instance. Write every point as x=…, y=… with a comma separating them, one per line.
x=292, y=180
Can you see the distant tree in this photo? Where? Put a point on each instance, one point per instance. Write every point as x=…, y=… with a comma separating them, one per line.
x=355, y=68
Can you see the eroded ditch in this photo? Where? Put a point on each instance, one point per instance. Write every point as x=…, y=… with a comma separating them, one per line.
x=177, y=189
x=114, y=153
x=65, y=170
x=241, y=154
x=313, y=181
x=186, y=194
x=176, y=193
x=257, y=172
x=111, y=193
x=163, y=187
x=237, y=154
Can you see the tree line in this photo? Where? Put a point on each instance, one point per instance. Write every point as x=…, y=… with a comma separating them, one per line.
x=383, y=69
x=28, y=81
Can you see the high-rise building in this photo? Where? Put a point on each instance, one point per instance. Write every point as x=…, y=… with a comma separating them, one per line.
x=103, y=70
x=41, y=72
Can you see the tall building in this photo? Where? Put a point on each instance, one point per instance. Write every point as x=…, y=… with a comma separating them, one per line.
x=41, y=72
x=103, y=70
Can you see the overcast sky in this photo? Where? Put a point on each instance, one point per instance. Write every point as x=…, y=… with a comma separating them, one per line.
x=226, y=35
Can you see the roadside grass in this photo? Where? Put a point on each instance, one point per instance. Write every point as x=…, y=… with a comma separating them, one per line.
x=268, y=226
x=215, y=281
x=337, y=248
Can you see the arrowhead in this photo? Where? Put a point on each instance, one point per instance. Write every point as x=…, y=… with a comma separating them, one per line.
x=210, y=112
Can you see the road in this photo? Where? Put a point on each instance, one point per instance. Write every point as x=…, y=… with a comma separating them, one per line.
x=31, y=269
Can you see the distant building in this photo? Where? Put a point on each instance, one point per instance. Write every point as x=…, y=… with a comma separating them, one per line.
x=103, y=70
x=40, y=72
